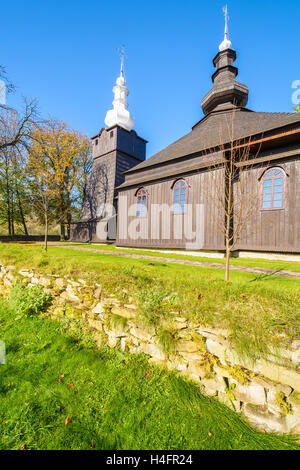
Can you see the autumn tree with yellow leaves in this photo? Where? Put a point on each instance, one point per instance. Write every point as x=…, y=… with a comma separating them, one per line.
x=60, y=159
x=42, y=186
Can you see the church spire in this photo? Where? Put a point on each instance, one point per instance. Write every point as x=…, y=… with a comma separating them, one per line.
x=226, y=43
x=226, y=93
x=123, y=56
x=119, y=115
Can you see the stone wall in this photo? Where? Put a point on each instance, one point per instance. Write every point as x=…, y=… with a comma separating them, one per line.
x=266, y=392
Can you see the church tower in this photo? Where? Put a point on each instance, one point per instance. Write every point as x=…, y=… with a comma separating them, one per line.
x=226, y=92
x=116, y=149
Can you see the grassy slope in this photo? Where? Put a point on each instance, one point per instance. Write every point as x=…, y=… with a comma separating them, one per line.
x=116, y=401
x=256, y=311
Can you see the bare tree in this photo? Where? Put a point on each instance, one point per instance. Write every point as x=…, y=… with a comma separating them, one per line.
x=229, y=191
x=6, y=86
x=13, y=171
x=9, y=213
x=16, y=126
x=15, y=135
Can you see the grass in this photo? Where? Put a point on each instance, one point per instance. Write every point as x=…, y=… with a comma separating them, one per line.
x=276, y=265
x=33, y=226
x=58, y=392
x=259, y=312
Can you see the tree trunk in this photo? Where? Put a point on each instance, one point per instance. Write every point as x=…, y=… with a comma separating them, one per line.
x=69, y=219
x=227, y=262
x=46, y=233
x=62, y=214
x=68, y=231
x=22, y=213
x=8, y=220
x=228, y=240
x=8, y=201
x=228, y=216
x=12, y=216
x=62, y=231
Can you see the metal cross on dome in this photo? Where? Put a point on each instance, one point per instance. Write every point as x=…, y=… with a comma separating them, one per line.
x=123, y=56
x=225, y=10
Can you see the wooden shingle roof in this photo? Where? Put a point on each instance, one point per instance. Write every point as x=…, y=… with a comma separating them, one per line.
x=217, y=128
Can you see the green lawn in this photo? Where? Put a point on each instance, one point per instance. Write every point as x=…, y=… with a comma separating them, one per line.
x=259, y=312
x=259, y=263
x=58, y=392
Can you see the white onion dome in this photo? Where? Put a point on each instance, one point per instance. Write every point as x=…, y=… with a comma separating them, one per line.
x=119, y=115
x=120, y=81
x=225, y=44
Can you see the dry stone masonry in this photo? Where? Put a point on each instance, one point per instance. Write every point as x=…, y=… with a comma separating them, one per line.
x=266, y=392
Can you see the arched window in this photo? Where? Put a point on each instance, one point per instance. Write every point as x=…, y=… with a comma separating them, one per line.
x=273, y=189
x=141, y=203
x=179, y=196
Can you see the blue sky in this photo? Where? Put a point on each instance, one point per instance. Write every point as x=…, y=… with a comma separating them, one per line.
x=64, y=53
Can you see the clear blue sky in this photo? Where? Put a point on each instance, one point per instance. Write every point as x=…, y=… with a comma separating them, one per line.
x=64, y=53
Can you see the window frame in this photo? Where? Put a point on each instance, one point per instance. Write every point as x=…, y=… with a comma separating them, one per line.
x=179, y=212
x=272, y=179
x=140, y=205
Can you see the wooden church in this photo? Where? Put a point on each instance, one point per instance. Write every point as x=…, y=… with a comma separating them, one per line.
x=126, y=190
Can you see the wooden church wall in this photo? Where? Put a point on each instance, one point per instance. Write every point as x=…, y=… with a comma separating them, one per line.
x=278, y=229
x=271, y=230
x=162, y=193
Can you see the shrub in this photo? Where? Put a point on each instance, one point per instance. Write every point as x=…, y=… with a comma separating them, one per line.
x=29, y=300
x=167, y=341
x=116, y=321
x=151, y=306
